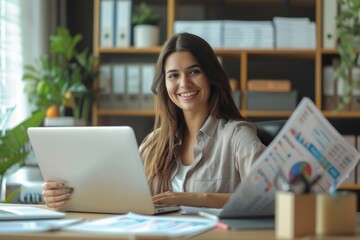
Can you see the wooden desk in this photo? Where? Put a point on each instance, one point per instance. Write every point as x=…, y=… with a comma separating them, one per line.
x=209, y=235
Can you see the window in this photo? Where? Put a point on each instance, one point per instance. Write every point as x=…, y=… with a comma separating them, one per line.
x=11, y=64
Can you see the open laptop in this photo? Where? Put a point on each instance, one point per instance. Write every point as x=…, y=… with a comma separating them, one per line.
x=102, y=164
x=12, y=212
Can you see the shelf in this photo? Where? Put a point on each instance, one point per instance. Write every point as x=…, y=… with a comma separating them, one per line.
x=261, y=3
x=331, y=114
x=329, y=51
x=235, y=51
x=130, y=112
x=129, y=50
x=349, y=187
x=253, y=113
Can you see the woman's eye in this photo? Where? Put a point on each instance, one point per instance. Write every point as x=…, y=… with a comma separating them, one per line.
x=172, y=75
x=195, y=71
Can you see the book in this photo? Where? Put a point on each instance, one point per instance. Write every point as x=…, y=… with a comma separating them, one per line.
x=268, y=85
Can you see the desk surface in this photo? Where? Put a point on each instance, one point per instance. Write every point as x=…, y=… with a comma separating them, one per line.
x=215, y=233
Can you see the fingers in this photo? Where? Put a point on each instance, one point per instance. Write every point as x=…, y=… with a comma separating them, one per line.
x=167, y=198
x=56, y=194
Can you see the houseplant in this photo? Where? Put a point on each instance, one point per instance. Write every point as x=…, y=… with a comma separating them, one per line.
x=14, y=146
x=63, y=79
x=347, y=73
x=146, y=29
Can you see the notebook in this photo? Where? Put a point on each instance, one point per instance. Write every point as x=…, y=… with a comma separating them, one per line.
x=102, y=164
x=27, y=212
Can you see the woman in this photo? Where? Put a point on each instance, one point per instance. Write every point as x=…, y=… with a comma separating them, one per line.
x=201, y=146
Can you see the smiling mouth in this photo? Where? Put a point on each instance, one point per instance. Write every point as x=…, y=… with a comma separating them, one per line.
x=188, y=94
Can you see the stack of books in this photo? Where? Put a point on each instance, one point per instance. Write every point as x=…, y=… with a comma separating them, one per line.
x=294, y=33
x=270, y=94
x=248, y=34
x=210, y=30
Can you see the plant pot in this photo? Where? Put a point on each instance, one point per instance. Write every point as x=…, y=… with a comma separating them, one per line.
x=63, y=122
x=146, y=35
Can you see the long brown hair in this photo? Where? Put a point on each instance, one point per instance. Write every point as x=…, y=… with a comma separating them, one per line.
x=158, y=148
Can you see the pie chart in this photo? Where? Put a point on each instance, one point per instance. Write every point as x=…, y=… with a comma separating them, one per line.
x=298, y=168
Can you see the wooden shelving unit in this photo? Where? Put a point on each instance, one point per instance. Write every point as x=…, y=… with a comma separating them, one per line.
x=316, y=55
x=314, y=59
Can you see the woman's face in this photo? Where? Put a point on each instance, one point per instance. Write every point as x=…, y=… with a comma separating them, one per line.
x=186, y=83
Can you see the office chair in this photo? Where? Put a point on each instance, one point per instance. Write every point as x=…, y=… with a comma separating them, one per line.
x=267, y=130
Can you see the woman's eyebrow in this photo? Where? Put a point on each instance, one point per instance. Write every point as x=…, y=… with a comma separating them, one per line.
x=193, y=66
x=190, y=67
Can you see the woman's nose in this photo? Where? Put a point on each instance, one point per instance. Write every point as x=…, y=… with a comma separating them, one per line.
x=185, y=81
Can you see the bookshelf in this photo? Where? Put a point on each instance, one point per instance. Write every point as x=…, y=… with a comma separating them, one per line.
x=315, y=57
x=304, y=67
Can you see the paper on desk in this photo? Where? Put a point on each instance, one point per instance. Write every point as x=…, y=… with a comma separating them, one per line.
x=135, y=224
x=307, y=143
x=36, y=225
x=188, y=210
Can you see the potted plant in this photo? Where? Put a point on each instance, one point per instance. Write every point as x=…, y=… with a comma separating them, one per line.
x=347, y=74
x=14, y=148
x=62, y=82
x=146, y=29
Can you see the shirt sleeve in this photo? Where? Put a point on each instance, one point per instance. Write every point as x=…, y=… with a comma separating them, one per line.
x=247, y=147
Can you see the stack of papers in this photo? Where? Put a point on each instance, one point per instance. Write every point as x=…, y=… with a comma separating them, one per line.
x=135, y=224
x=294, y=33
x=210, y=30
x=248, y=34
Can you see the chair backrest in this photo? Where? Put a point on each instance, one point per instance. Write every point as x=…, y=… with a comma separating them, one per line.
x=267, y=130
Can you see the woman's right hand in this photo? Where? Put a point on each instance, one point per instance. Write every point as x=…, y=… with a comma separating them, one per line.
x=56, y=194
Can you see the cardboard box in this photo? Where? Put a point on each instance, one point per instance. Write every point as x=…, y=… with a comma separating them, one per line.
x=336, y=215
x=294, y=214
x=268, y=85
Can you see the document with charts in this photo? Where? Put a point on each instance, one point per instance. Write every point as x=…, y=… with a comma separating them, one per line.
x=151, y=226
x=306, y=144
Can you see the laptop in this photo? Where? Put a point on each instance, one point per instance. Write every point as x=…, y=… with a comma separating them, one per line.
x=102, y=164
x=12, y=212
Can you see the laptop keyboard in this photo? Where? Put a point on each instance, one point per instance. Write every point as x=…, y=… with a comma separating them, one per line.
x=6, y=213
x=160, y=206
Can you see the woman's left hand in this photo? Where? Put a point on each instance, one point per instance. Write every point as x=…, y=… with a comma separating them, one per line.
x=209, y=200
x=178, y=198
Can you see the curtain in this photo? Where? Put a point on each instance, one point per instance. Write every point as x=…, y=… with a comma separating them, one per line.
x=25, y=27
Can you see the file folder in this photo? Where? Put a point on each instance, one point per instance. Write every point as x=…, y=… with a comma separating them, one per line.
x=147, y=96
x=133, y=86
x=123, y=23
x=329, y=24
x=119, y=86
x=106, y=23
x=105, y=86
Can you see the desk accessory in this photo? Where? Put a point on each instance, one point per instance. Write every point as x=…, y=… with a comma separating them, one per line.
x=336, y=213
x=294, y=214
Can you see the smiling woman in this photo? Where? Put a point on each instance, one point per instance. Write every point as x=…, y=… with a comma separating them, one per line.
x=201, y=146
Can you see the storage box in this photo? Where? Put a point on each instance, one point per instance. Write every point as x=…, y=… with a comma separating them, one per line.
x=336, y=215
x=271, y=100
x=295, y=214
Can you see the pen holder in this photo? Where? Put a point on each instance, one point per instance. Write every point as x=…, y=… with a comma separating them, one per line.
x=294, y=214
x=336, y=214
